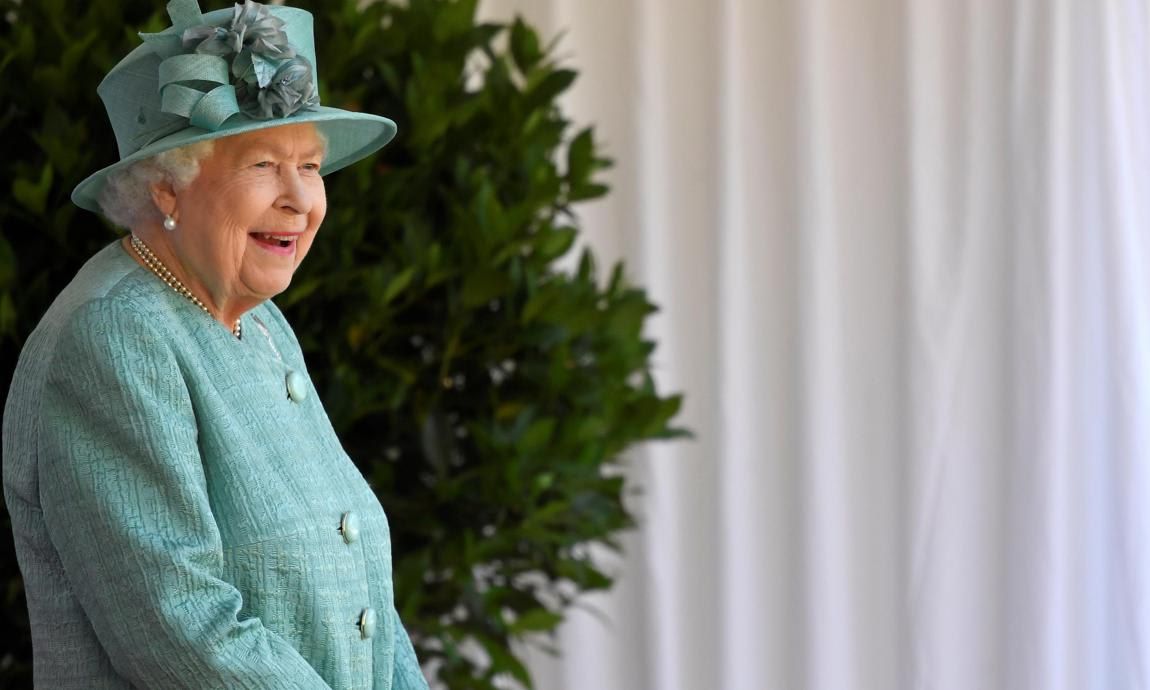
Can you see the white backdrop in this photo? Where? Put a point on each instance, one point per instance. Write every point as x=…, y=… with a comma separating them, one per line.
x=902, y=253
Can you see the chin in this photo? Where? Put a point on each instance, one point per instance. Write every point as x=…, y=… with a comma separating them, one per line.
x=278, y=289
x=268, y=288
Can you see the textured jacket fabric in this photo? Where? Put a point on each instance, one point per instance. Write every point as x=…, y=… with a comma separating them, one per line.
x=177, y=513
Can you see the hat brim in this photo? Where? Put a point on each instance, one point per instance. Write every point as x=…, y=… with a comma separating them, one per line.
x=350, y=136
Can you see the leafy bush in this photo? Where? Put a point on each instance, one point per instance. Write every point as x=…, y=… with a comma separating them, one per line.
x=486, y=394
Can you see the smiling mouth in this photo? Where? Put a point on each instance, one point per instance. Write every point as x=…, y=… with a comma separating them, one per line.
x=275, y=240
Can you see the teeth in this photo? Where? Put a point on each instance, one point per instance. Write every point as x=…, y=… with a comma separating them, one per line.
x=277, y=238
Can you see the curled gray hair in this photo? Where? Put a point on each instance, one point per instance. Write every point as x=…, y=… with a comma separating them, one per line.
x=126, y=199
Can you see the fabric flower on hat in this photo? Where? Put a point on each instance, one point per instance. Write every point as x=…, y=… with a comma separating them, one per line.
x=271, y=80
x=290, y=88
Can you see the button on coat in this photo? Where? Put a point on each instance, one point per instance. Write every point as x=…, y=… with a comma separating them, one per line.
x=349, y=527
x=367, y=623
x=296, y=386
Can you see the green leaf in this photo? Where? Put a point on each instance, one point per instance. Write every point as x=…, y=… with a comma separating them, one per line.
x=537, y=620
x=503, y=662
x=398, y=284
x=524, y=46
x=454, y=18
x=33, y=195
x=581, y=157
x=586, y=192
x=536, y=306
x=537, y=436
x=550, y=87
x=556, y=243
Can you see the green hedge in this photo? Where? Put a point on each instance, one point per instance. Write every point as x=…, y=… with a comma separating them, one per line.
x=486, y=394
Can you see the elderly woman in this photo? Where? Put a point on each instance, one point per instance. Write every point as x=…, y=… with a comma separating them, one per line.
x=184, y=514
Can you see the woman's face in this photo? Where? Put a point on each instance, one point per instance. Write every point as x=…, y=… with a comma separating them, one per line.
x=249, y=217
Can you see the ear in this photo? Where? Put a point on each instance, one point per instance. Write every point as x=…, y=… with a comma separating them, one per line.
x=164, y=196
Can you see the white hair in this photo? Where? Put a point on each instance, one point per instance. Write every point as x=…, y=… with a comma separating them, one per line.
x=126, y=199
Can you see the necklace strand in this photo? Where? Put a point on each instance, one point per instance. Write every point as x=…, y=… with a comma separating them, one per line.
x=157, y=267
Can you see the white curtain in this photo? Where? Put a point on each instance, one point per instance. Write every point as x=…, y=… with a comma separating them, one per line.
x=903, y=255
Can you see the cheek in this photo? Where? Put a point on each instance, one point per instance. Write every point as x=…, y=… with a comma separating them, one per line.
x=216, y=231
x=304, y=247
x=316, y=216
x=229, y=212
x=319, y=205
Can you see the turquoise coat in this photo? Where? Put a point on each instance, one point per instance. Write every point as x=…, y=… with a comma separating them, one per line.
x=184, y=514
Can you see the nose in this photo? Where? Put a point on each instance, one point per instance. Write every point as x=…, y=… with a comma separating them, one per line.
x=295, y=197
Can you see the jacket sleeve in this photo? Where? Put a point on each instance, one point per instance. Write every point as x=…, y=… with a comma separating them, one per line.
x=126, y=506
x=406, y=674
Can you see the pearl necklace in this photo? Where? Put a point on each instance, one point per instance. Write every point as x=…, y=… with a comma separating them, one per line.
x=156, y=266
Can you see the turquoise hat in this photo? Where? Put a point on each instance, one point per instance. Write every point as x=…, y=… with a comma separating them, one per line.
x=222, y=73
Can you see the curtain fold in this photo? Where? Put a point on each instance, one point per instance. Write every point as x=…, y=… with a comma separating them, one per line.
x=902, y=254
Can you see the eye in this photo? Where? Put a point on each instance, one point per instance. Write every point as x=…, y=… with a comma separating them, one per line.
x=264, y=164
x=310, y=167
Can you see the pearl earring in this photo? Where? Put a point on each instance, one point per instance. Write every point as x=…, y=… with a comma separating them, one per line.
x=169, y=223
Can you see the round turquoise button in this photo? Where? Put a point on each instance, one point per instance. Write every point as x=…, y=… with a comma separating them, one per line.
x=367, y=623
x=296, y=386
x=349, y=527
